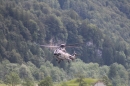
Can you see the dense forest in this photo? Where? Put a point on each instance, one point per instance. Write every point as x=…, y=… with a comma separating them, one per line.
x=101, y=28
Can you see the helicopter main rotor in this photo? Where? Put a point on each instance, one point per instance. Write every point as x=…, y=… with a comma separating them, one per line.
x=62, y=45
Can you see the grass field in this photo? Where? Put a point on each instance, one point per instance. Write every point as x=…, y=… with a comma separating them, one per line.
x=3, y=85
x=88, y=81
x=73, y=82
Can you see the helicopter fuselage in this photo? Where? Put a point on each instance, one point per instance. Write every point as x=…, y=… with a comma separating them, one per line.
x=62, y=55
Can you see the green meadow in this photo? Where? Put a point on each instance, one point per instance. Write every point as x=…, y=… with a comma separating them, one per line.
x=73, y=82
x=3, y=85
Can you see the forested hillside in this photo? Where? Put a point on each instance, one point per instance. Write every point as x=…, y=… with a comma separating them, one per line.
x=101, y=28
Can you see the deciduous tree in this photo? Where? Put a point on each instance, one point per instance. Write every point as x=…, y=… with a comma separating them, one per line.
x=46, y=82
x=12, y=79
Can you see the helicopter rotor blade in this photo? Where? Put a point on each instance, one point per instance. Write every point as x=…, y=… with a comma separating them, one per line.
x=68, y=45
x=49, y=46
x=74, y=45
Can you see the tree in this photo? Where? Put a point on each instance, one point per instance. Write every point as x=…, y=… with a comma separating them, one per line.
x=25, y=72
x=106, y=81
x=120, y=57
x=118, y=75
x=108, y=51
x=104, y=70
x=15, y=56
x=12, y=78
x=46, y=82
x=80, y=79
x=61, y=2
x=54, y=27
x=34, y=28
x=28, y=82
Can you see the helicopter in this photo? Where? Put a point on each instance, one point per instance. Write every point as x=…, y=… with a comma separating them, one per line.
x=60, y=53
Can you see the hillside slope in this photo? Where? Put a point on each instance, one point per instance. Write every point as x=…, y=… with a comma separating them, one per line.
x=104, y=24
x=101, y=28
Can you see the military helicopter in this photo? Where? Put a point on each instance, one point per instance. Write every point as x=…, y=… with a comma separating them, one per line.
x=60, y=53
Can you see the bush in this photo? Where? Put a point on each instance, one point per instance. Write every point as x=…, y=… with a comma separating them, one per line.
x=46, y=82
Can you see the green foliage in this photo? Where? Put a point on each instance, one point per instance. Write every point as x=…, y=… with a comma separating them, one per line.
x=101, y=26
x=88, y=70
x=117, y=72
x=106, y=81
x=64, y=84
x=28, y=82
x=74, y=82
x=46, y=82
x=40, y=21
x=25, y=73
x=56, y=74
x=104, y=71
x=80, y=80
x=12, y=79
